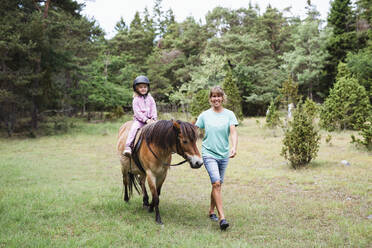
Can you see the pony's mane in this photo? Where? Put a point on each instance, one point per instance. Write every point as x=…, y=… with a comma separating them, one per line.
x=163, y=134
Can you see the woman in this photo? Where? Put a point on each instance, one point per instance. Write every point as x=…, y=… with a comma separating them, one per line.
x=219, y=123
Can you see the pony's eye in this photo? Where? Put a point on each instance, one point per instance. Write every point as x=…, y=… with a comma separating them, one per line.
x=185, y=141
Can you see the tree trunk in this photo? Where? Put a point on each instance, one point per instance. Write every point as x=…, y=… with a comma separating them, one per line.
x=47, y=4
x=34, y=114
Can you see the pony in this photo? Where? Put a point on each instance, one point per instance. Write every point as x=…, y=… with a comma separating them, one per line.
x=153, y=153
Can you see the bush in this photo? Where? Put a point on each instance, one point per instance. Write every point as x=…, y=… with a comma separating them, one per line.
x=272, y=116
x=311, y=108
x=117, y=113
x=301, y=139
x=366, y=133
x=347, y=106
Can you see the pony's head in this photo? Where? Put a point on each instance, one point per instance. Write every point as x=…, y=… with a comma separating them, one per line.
x=177, y=136
x=187, y=136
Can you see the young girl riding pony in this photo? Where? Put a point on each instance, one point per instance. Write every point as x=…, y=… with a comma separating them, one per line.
x=144, y=109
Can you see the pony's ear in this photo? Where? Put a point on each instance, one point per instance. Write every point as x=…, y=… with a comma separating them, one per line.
x=176, y=126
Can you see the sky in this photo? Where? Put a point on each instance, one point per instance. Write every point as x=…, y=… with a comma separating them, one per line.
x=108, y=12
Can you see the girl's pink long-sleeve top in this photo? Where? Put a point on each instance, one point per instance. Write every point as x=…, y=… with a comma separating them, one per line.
x=144, y=108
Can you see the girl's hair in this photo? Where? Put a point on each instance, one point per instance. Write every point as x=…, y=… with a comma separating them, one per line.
x=219, y=91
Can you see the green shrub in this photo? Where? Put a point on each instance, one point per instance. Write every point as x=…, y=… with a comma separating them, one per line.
x=347, y=106
x=311, y=108
x=289, y=92
x=328, y=139
x=366, y=132
x=272, y=116
x=116, y=114
x=301, y=139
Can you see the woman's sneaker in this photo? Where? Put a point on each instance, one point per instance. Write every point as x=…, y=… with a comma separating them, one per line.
x=213, y=217
x=224, y=224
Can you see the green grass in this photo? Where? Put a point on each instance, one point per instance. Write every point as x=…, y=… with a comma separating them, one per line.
x=66, y=191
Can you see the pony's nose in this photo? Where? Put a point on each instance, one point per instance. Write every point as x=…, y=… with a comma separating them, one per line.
x=198, y=164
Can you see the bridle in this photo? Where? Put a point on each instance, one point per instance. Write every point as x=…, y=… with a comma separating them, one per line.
x=179, y=150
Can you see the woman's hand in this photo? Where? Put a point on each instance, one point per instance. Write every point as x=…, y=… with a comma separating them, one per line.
x=234, y=139
x=232, y=152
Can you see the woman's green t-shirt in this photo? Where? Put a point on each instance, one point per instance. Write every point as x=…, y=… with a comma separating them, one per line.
x=217, y=131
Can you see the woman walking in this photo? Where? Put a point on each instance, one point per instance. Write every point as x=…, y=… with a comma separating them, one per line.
x=219, y=123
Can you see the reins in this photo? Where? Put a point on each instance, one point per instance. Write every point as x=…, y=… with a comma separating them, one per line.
x=178, y=148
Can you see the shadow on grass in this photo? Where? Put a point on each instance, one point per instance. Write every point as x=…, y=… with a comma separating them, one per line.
x=182, y=213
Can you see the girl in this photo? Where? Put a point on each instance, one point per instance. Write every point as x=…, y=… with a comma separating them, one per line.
x=144, y=109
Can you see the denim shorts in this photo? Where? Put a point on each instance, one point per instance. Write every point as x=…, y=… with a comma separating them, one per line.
x=216, y=168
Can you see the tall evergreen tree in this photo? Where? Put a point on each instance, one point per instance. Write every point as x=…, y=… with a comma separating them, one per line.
x=234, y=100
x=41, y=41
x=343, y=39
x=306, y=62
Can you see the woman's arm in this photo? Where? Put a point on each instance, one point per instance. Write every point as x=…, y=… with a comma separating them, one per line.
x=234, y=140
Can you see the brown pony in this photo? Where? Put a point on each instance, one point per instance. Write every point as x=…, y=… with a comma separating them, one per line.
x=159, y=141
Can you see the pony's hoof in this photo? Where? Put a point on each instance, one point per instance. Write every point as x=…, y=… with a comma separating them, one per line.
x=159, y=222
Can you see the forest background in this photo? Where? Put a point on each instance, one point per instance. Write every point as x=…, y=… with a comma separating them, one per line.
x=55, y=61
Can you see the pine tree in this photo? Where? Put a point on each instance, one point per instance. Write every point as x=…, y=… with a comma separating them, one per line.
x=200, y=102
x=234, y=100
x=343, y=38
x=347, y=105
x=306, y=62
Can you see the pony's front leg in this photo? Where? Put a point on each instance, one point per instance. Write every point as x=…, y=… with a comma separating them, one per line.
x=155, y=197
x=160, y=180
x=144, y=192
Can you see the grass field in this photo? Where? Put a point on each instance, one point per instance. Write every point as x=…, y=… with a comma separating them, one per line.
x=66, y=191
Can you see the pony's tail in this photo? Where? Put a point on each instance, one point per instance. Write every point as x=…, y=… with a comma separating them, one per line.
x=133, y=181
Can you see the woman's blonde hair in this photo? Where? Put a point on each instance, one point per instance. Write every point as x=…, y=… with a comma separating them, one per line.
x=219, y=91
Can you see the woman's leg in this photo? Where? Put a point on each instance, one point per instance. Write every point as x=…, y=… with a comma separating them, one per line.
x=213, y=204
x=216, y=198
x=216, y=194
x=211, y=164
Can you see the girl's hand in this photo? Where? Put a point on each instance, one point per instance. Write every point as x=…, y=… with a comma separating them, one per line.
x=149, y=121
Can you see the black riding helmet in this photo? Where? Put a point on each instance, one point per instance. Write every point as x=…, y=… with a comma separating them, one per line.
x=141, y=80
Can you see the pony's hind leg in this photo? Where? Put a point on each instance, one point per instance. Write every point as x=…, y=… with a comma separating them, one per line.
x=155, y=198
x=125, y=183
